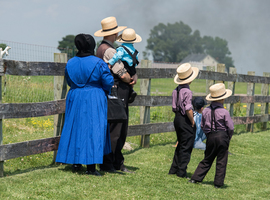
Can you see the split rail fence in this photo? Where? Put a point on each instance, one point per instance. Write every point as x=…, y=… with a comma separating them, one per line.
x=145, y=101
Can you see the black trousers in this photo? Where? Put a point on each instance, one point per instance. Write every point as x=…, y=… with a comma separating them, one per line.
x=217, y=145
x=185, y=135
x=118, y=134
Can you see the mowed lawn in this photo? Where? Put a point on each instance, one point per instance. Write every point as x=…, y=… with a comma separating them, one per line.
x=247, y=175
x=34, y=177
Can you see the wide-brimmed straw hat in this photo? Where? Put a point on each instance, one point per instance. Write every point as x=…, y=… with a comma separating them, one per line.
x=109, y=27
x=218, y=92
x=129, y=36
x=185, y=74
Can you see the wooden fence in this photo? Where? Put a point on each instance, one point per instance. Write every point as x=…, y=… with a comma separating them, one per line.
x=145, y=100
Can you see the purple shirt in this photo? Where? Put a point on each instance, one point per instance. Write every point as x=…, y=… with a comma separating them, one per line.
x=223, y=119
x=184, y=100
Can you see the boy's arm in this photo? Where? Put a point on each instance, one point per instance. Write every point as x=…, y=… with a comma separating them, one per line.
x=190, y=117
x=118, y=67
x=188, y=107
x=229, y=124
x=117, y=56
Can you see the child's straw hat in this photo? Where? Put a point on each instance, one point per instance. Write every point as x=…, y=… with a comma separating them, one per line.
x=129, y=36
x=218, y=92
x=185, y=74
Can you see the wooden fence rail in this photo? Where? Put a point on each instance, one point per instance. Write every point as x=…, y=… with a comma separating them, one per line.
x=57, y=107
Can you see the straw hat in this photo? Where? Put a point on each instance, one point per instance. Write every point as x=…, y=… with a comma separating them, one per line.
x=129, y=36
x=218, y=92
x=109, y=27
x=185, y=74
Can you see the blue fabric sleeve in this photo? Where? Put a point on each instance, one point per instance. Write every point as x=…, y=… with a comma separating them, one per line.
x=117, y=56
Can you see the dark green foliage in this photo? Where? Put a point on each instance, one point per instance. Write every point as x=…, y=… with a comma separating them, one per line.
x=67, y=45
x=218, y=49
x=173, y=42
x=3, y=46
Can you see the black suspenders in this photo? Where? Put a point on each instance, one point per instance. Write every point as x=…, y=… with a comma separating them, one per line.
x=213, y=118
x=133, y=56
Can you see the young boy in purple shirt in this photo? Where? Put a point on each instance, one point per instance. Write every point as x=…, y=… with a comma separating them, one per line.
x=218, y=128
x=183, y=122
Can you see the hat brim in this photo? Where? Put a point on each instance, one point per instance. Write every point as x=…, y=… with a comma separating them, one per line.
x=228, y=94
x=191, y=78
x=138, y=39
x=101, y=33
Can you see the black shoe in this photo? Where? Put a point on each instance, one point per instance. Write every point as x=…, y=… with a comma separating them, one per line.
x=95, y=173
x=192, y=181
x=124, y=169
x=217, y=186
x=76, y=167
x=132, y=97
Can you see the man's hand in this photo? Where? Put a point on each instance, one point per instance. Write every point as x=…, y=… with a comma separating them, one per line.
x=134, y=79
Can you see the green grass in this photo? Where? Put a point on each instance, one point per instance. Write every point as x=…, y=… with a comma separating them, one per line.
x=34, y=177
x=247, y=175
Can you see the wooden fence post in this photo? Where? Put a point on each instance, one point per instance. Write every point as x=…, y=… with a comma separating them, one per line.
x=145, y=87
x=250, y=106
x=209, y=82
x=60, y=91
x=231, y=86
x=1, y=130
x=220, y=68
x=265, y=106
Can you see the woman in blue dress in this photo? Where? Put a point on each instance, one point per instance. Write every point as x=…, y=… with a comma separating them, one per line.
x=85, y=138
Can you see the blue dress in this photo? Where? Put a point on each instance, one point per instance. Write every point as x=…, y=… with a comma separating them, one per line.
x=85, y=137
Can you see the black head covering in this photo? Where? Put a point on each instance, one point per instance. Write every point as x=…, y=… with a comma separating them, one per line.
x=86, y=44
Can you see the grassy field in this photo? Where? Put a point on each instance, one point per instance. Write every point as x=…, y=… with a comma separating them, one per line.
x=34, y=177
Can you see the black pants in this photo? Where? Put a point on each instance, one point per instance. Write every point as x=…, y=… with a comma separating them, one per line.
x=118, y=133
x=185, y=135
x=217, y=145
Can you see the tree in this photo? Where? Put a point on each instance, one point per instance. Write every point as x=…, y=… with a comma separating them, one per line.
x=170, y=43
x=3, y=46
x=67, y=45
x=173, y=42
x=218, y=49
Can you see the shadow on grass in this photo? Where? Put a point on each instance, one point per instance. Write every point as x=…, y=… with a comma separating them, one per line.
x=68, y=168
x=212, y=183
x=127, y=152
x=19, y=171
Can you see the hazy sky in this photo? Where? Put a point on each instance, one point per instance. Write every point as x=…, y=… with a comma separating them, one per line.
x=245, y=24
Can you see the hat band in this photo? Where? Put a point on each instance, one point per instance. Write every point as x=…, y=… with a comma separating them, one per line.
x=110, y=29
x=182, y=79
x=219, y=96
x=128, y=40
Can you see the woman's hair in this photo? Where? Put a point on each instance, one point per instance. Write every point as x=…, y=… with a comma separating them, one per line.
x=86, y=44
